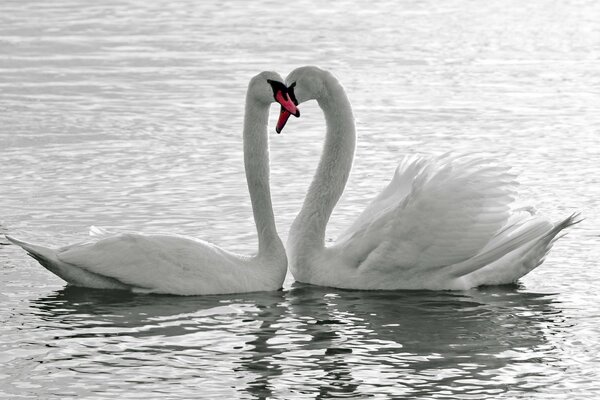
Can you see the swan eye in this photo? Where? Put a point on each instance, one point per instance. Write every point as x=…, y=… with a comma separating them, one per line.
x=277, y=86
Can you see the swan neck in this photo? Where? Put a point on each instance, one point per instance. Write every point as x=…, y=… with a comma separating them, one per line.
x=308, y=230
x=256, y=163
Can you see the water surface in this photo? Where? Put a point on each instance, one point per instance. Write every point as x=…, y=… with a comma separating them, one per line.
x=128, y=115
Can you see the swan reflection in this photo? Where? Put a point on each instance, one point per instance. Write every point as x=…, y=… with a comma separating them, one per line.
x=402, y=342
x=306, y=340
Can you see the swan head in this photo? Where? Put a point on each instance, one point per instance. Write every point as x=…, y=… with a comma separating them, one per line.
x=303, y=84
x=308, y=83
x=268, y=87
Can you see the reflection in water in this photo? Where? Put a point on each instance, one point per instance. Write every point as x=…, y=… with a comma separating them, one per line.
x=418, y=343
x=127, y=115
x=308, y=340
x=210, y=341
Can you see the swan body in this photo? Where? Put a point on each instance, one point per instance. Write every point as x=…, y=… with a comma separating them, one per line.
x=447, y=222
x=159, y=264
x=181, y=265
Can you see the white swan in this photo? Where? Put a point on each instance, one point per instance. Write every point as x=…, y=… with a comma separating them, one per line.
x=445, y=223
x=181, y=265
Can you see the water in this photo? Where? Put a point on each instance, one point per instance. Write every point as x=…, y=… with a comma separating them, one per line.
x=128, y=115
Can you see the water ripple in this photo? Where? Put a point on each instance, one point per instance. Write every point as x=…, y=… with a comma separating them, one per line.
x=127, y=114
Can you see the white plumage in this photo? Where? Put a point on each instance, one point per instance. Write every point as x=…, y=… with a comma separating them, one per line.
x=442, y=223
x=182, y=265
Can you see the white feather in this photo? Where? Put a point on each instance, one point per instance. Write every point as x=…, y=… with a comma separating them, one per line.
x=181, y=265
x=448, y=222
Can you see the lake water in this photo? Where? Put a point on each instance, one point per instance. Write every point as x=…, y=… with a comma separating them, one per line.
x=128, y=115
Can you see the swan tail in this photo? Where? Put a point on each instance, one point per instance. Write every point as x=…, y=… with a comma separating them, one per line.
x=45, y=256
x=520, y=259
x=573, y=219
x=72, y=274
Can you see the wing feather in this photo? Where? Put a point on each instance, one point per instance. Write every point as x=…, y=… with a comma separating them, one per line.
x=434, y=213
x=163, y=263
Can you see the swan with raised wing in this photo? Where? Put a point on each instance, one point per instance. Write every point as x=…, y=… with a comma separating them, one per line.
x=442, y=223
x=182, y=265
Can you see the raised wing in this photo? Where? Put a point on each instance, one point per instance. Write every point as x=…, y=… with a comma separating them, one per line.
x=434, y=213
x=388, y=199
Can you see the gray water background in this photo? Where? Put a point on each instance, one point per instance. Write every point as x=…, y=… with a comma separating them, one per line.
x=128, y=115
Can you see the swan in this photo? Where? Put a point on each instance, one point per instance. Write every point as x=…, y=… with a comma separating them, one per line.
x=179, y=265
x=448, y=223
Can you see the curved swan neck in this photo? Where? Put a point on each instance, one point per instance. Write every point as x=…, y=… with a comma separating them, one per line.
x=308, y=230
x=256, y=162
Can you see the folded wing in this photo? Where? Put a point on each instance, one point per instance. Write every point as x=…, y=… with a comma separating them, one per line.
x=157, y=263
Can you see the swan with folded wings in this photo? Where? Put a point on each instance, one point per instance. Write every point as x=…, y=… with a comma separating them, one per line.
x=182, y=265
